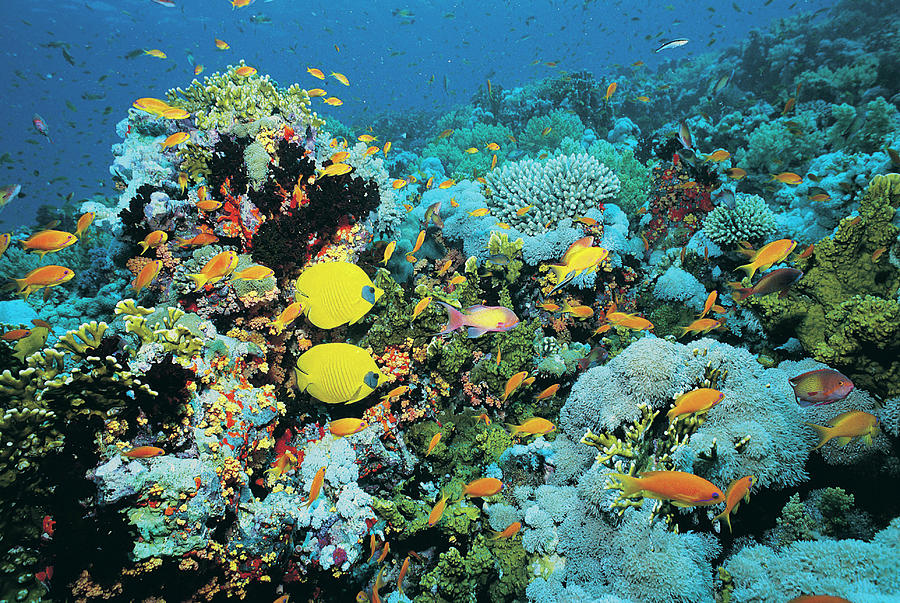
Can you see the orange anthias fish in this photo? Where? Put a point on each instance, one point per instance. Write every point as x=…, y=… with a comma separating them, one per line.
x=788, y=178
x=419, y=240
x=718, y=156
x=698, y=400
x=710, y=301
x=510, y=531
x=288, y=315
x=147, y=274
x=702, y=325
x=548, y=393
x=437, y=511
x=83, y=223
x=316, y=487
x=610, y=90
x=341, y=78
x=174, y=139
x=483, y=417
x=15, y=334
x=533, y=426
x=388, y=252
x=512, y=383
x=221, y=44
x=204, y=237
x=245, y=71
x=770, y=254
x=482, y=487
x=215, y=269
x=628, y=321
x=315, y=72
x=577, y=310
x=333, y=101
x=45, y=276
x=434, y=442
x=344, y=427
x=420, y=307
x=846, y=426
x=48, y=241
x=739, y=489
x=252, y=273
x=397, y=391
x=680, y=488
x=403, y=569
x=143, y=452
x=284, y=463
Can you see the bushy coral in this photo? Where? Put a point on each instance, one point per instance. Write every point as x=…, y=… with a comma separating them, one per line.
x=852, y=569
x=749, y=220
x=225, y=98
x=564, y=186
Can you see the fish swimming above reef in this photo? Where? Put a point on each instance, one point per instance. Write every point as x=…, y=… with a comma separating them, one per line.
x=337, y=373
x=695, y=401
x=45, y=276
x=778, y=281
x=479, y=319
x=8, y=193
x=580, y=257
x=31, y=343
x=847, y=426
x=737, y=491
x=821, y=386
x=48, y=241
x=680, y=488
x=770, y=254
x=335, y=293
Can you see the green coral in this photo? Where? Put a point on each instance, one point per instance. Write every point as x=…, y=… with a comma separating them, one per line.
x=862, y=131
x=835, y=504
x=750, y=220
x=167, y=331
x=499, y=244
x=452, y=149
x=257, y=159
x=843, y=84
x=844, y=311
x=458, y=577
x=224, y=99
x=781, y=144
x=795, y=522
x=563, y=124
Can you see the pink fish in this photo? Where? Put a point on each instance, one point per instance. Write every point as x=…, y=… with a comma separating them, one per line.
x=822, y=386
x=41, y=126
x=479, y=319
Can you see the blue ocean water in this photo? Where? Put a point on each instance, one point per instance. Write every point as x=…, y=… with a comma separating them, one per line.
x=422, y=56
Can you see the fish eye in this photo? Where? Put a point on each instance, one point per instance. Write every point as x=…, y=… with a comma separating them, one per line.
x=715, y=495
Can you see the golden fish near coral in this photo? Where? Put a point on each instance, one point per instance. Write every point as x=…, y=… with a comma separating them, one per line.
x=533, y=426
x=680, y=488
x=847, y=426
x=348, y=426
x=48, y=241
x=287, y=316
x=43, y=277
x=335, y=294
x=337, y=373
x=770, y=254
x=737, y=490
x=579, y=258
x=217, y=268
x=147, y=275
x=695, y=401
